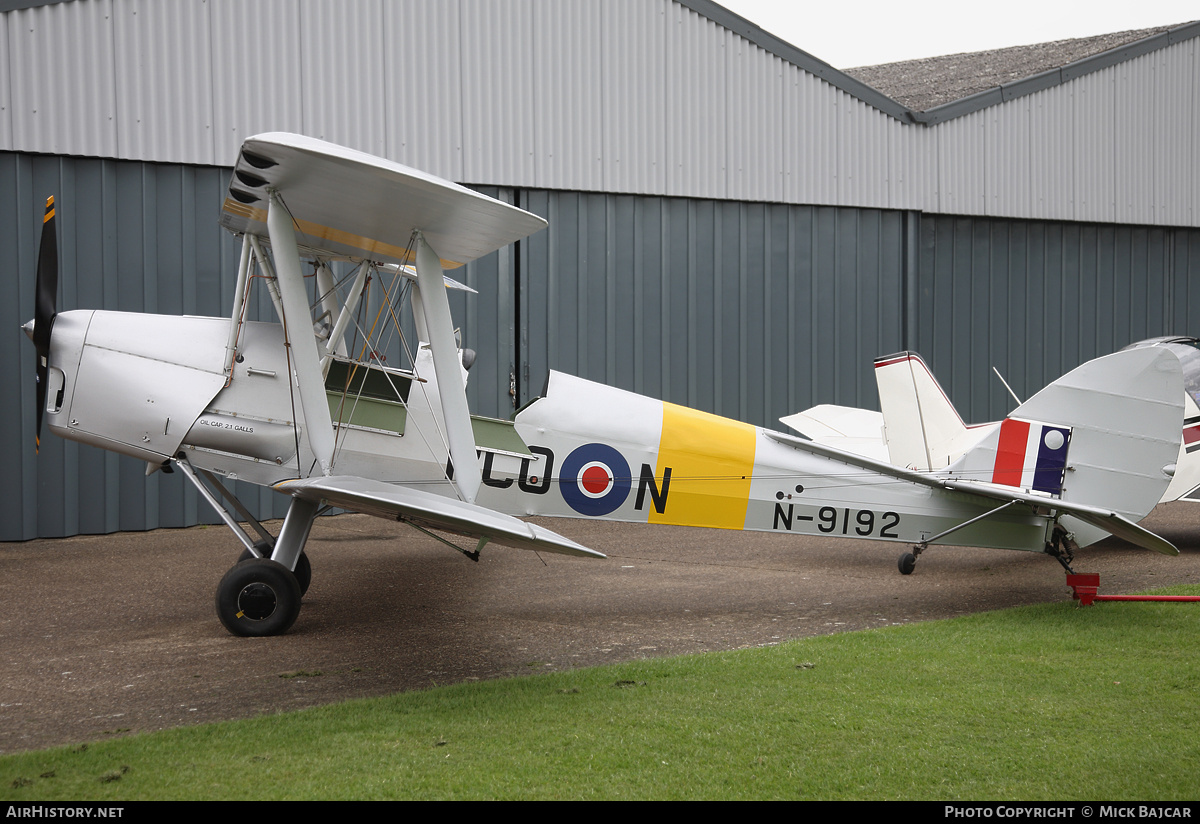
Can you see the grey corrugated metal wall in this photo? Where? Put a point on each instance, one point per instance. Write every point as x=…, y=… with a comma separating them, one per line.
x=1035, y=299
x=748, y=310
x=647, y=97
x=744, y=309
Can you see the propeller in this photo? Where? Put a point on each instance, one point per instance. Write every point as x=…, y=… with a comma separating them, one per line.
x=44, y=312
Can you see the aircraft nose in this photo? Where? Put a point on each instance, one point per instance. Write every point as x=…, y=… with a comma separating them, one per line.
x=27, y=328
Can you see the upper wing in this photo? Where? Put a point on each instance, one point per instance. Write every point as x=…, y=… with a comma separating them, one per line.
x=350, y=203
x=425, y=509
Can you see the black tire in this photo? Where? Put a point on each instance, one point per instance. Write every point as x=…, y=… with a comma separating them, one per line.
x=303, y=570
x=907, y=563
x=258, y=598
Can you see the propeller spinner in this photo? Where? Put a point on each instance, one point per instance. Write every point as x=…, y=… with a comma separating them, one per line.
x=45, y=309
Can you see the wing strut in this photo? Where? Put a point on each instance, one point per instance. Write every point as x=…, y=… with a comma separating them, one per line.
x=349, y=307
x=451, y=390
x=297, y=325
x=235, y=317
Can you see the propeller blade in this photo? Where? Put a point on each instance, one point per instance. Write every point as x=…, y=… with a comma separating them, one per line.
x=45, y=310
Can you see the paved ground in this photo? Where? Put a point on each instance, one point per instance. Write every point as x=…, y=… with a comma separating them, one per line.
x=103, y=635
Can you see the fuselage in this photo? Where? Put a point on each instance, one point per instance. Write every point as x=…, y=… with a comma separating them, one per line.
x=601, y=452
x=157, y=387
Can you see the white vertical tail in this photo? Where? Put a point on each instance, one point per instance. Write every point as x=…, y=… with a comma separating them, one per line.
x=922, y=429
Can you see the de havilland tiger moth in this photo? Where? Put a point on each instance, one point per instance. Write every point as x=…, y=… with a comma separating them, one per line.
x=305, y=405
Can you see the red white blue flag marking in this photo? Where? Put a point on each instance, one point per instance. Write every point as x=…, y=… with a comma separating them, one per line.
x=1031, y=455
x=1191, y=434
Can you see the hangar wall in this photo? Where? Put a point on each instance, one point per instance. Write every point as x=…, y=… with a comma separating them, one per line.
x=652, y=97
x=749, y=310
x=1037, y=298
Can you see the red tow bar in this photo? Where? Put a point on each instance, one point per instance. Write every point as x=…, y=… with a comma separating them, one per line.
x=1085, y=584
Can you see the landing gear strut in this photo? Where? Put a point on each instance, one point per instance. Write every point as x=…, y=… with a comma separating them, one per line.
x=1062, y=548
x=261, y=594
x=908, y=561
x=303, y=570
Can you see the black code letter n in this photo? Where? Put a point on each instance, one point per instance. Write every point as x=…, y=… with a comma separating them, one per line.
x=647, y=482
x=784, y=515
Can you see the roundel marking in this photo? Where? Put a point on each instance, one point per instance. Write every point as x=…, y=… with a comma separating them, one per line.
x=594, y=479
x=1054, y=439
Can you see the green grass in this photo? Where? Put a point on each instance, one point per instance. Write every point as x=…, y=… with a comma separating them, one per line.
x=1046, y=702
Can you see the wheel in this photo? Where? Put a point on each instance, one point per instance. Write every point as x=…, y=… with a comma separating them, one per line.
x=907, y=563
x=303, y=570
x=257, y=598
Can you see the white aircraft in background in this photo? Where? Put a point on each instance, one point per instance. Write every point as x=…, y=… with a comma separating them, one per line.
x=306, y=406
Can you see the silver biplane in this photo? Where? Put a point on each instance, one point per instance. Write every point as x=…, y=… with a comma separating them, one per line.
x=306, y=406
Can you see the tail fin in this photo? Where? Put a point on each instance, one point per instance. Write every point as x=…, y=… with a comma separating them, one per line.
x=922, y=429
x=1105, y=435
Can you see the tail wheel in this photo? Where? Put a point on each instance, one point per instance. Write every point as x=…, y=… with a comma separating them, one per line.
x=257, y=598
x=907, y=563
x=1062, y=547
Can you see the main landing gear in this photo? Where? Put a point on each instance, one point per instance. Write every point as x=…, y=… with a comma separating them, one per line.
x=303, y=570
x=258, y=597
x=261, y=594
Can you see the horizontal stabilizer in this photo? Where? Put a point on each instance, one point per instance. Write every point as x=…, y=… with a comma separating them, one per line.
x=345, y=202
x=854, y=430
x=1111, y=522
x=431, y=511
x=1129, y=531
x=828, y=420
